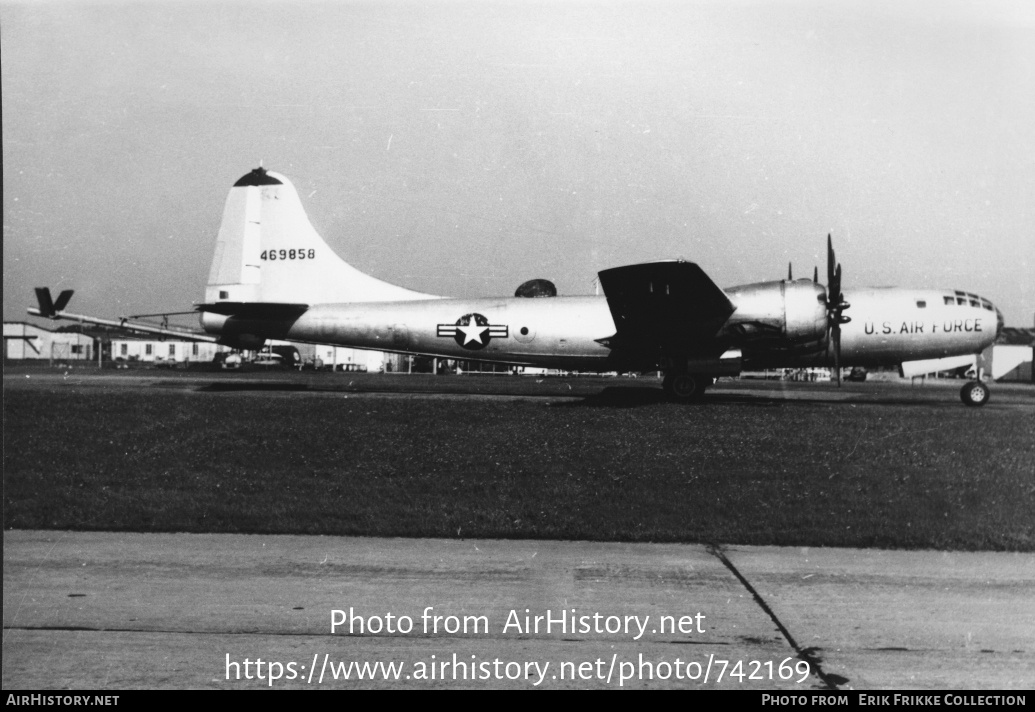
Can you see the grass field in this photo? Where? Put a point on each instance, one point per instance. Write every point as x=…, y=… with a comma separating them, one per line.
x=618, y=465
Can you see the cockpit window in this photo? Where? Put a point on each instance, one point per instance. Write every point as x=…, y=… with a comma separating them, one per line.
x=964, y=299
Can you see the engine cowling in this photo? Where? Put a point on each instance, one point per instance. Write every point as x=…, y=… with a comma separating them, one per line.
x=778, y=313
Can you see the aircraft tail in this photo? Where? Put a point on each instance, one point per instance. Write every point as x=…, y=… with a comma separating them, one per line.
x=269, y=253
x=48, y=307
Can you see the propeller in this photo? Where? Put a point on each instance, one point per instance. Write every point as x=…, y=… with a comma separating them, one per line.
x=836, y=305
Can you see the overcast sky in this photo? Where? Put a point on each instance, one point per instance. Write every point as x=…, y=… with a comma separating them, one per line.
x=461, y=148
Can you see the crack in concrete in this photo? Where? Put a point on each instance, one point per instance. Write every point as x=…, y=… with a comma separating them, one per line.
x=830, y=680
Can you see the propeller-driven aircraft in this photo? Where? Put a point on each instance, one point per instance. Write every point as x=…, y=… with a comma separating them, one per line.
x=274, y=277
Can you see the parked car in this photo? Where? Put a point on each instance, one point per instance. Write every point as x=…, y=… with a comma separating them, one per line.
x=858, y=373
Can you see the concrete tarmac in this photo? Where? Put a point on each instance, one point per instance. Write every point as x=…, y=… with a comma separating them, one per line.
x=101, y=610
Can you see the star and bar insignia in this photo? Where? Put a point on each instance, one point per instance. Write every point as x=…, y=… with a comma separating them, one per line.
x=473, y=331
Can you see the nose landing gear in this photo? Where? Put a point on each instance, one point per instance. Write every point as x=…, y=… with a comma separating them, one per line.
x=975, y=394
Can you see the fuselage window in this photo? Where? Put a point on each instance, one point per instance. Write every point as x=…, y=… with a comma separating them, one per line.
x=950, y=301
x=921, y=304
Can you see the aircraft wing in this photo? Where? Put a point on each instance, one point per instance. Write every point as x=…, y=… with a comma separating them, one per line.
x=672, y=306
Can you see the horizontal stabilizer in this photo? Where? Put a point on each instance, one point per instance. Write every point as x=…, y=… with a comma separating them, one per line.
x=256, y=310
x=56, y=310
x=666, y=305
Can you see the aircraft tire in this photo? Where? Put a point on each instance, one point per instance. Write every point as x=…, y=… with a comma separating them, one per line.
x=975, y=394
x=685, y=387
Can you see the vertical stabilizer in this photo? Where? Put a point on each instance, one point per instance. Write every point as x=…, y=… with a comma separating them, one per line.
x=268, y=252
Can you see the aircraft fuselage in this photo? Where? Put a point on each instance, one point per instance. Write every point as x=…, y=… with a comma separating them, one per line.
x=888, y=326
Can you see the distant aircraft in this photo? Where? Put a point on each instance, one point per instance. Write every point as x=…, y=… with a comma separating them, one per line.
x=273, y=277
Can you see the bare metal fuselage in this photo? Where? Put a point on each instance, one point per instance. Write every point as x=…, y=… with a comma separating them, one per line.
x=888, y=326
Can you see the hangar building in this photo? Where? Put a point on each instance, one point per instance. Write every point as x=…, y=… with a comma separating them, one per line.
x=25, y=341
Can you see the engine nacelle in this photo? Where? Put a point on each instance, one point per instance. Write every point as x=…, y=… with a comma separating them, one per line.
x=791, y=313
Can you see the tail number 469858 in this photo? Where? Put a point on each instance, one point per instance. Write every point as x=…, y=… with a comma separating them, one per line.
x=288, y=255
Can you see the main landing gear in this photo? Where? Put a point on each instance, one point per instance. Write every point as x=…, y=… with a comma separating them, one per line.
x=975, y=394
x=685, y=387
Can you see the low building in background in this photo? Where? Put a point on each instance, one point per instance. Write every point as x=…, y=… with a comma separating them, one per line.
x=155, y=351
x=1012, y=355
x=27, y=342
x=339, y=358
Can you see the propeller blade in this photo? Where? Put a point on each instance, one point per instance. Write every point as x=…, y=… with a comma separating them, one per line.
x=830, y=262
x=790, y=277
x=815, y=274
x=837, y=352
x=836, y=304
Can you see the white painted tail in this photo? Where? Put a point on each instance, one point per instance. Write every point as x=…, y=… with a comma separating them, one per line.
x=268, y=252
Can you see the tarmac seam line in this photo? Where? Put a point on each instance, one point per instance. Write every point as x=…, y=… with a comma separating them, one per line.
x=293, y=634
x=806, y=654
